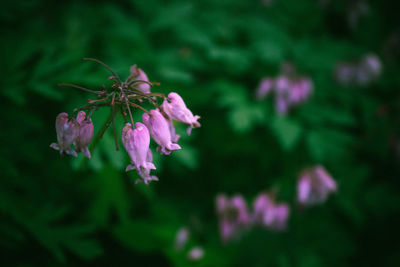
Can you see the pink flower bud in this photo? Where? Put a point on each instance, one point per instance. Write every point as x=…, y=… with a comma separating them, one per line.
x=67, y=133
x=176, y=109
x=85, y=133
x=160, y=131
x=136, y=143
x=143, y=87
x=314, y=186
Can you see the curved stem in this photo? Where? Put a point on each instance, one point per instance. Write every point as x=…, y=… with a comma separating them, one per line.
x=104, y=65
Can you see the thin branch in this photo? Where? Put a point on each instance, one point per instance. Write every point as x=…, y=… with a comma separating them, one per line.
x=81, y=88
x=104, y=65
x=137, y=106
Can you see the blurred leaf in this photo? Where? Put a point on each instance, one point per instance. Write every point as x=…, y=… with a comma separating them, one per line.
x=287, y=131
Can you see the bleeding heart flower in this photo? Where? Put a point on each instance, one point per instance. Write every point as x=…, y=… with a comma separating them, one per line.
x=143, y=87
x=176, y=109
x=136, y=143
x=160, y=131
x=85, y=134
x=67, y=133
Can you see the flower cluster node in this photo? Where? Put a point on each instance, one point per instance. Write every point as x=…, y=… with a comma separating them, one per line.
x=123, y=96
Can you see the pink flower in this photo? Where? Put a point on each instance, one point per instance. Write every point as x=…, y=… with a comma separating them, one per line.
x=160, y=131
x=314, y=186
x=233, y=216
x=85, y=134
x=269, y=214
x=67, y=133
x=143, y=87
x=136, y=143
x=176, y=109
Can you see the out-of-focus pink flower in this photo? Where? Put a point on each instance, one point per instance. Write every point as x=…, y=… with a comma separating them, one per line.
x=196, y=253
x=67, y=133
x=160, y=131
x=314, y=186
x=85, y=133
x=372, y=65
x=265, y=87
x=233, y=216
x=345, y=73
x=143, y=87
x=269, y=214
x=182, y=237
x=176, y=109
x=289, y=90
x=276, y=217
x=361, y=73
x=282, y=84
x=136, y=143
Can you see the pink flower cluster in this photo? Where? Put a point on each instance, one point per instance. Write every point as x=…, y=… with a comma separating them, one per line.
x=157, y=123
x=360, y=73
x=235, y=218
x=77, y=132
x=314, y=186
x=289, y=90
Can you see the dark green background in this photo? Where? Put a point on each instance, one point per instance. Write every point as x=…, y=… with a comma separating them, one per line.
x=64, y=211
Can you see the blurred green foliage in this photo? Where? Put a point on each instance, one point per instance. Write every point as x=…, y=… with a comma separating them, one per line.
x=63, y=211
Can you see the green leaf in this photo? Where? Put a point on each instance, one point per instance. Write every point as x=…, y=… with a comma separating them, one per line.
x=287, y=131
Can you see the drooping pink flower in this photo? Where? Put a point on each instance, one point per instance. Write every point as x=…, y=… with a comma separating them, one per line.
x=314, y=186
x=143, y=87
x=85, y=133
x=268, y=213
x=136, y=142
x=160, y=131
x=233, y=216
x=176, y=109
x=67, y=133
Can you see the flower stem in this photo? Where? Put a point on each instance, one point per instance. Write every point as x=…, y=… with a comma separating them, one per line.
x=104, y=65
x=81, y=88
